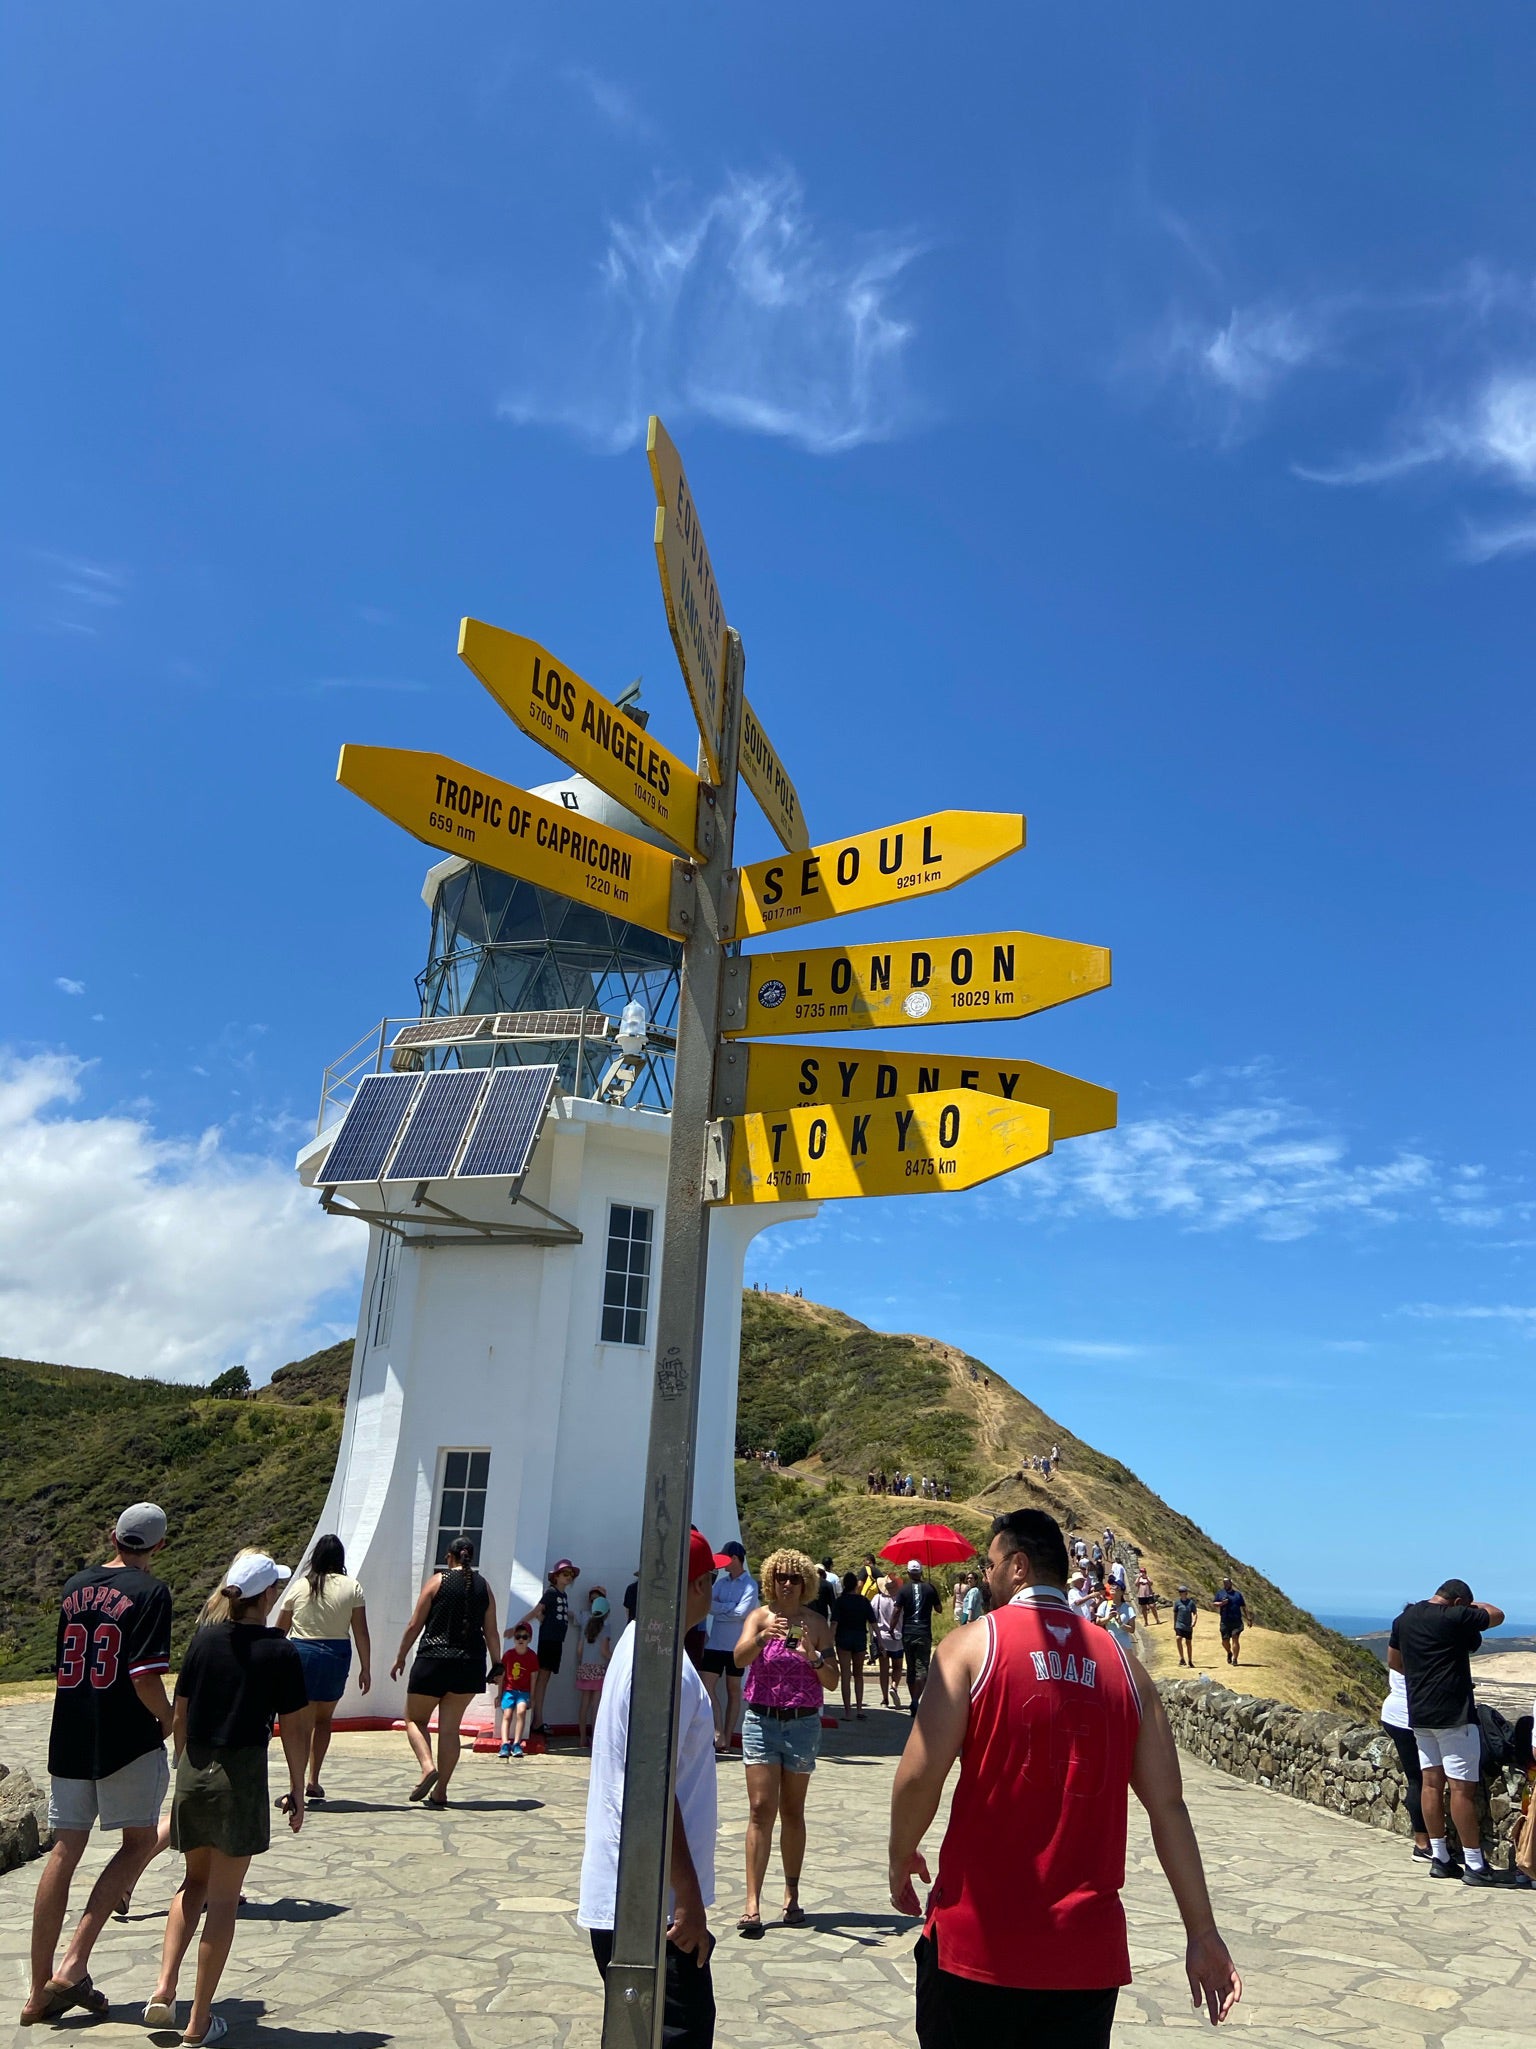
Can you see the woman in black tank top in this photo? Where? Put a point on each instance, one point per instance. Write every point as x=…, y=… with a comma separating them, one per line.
x=455, y=1617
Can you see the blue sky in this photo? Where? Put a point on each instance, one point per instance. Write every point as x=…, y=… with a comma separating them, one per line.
x=1126, y=419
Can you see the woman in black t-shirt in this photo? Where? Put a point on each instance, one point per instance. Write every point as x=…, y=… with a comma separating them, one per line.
x=455, y=1617
x=852, y=1615
x=237, y=1676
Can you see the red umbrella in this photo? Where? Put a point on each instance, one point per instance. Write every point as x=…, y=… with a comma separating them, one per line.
x=929, y=1544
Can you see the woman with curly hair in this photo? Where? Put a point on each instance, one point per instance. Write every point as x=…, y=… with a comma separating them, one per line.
x=785, y=1649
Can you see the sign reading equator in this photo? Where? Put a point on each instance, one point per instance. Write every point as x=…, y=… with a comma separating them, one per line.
x=554, y=706
x=912, y=1145
x=761, y=1076
x=694, y=611
x=913, y=982
x=867, y=870
x=457, y=808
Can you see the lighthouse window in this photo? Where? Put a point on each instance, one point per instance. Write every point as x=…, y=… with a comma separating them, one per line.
x=627, y=1280
x=461, y=1500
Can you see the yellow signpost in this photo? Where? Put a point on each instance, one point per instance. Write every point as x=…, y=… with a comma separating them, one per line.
x=761, y=1076
x=468, y=813
x=912, y=1145
x=915, y=982
x=694, y=611
x=917, y=858
x=552, y=705
x=768, y=779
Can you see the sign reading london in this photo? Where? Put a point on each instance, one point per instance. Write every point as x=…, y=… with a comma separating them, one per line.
x=917, y=858
x=922, y=982
x=552, y=704
x=465, y=812
x=694, y=611
x=912, y=1145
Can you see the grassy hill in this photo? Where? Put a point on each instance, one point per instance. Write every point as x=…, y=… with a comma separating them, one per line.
x=834, y=1397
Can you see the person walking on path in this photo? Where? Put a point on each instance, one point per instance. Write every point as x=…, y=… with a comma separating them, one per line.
x=595, y=1650
x=553, y=1615
x=917, y=1604
x=732, y=1599
x=1146, y=1595
x=317, y=1612
x=1232, y=1610
x=237, y=1677
x=1185, y=1609
x=1024, y=1935
x=852, y=1615
x=786, y=1653
x=688, y=2018
x=887, y=1634
x=455, y=1617
x=106, y=1752
x=1431, y=1644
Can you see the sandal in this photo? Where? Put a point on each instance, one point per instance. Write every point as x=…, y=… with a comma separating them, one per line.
x=750, y=1927
x=284, y=1804
x=58, y=1999
x=440, y=1805
x=793, y=1915
x=215, y=2031
x=160, y=2013
x=314, y=1792
x=424, y=1785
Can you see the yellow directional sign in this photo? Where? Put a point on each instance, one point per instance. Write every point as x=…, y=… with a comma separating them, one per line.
x=767, y=1077
x=694, y=610
x=912, y=1145
x=917, y=858
x=768, y=780
x=916, y=982
x=553, y=705
x=468, y=813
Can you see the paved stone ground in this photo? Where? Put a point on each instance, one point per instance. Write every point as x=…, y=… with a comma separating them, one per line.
x=385, y=1927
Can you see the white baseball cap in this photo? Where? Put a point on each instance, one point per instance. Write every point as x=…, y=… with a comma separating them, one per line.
x=914, y=1565
x=254, y=1573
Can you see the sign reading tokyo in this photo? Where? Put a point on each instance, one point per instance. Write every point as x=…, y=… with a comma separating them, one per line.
x=912, y=1145
x=553, y=705
x=457, y=808
x=767, y=1077
x=922, y=982
x=768, y=780
x=917, y=858
x=694, y=611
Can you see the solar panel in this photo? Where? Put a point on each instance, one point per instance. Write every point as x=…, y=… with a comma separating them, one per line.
x=508, y=1127
x=551, y=1024
x=370, y=1128
x=436, y=1131
x=440, y=1031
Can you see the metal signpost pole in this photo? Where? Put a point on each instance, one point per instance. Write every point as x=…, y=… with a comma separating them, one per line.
x=632, y=2008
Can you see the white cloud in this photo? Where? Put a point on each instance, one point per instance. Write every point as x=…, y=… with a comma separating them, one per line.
x=614, y=102
x=1266, y=1166
x=124, y=1250
x=1473, y=1312
x=80, y=591
x=736, y=308
x=1257, y=348
x=1088, y=1348
x=68, y=987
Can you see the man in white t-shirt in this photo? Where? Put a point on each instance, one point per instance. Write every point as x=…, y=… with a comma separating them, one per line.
x=689, y=2019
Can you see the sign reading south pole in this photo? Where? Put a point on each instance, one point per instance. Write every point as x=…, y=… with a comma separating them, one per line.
x=915, y=982
x=912, y=1145
x=871, y=869
x=552, y=705
x=768, y=779
x=694, y=611
x=457, y=808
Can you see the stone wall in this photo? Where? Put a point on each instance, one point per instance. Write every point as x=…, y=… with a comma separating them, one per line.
x=1350, y=1767
x=23, y=1818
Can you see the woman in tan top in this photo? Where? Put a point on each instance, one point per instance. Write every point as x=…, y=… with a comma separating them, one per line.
x=318, y=1611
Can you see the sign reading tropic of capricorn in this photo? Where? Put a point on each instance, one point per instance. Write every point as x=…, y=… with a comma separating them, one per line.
x=752, y=1121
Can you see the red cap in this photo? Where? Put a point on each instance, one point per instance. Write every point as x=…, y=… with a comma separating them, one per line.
x=701, y=1556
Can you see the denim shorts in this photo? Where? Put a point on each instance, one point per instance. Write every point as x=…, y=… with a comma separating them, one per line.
x=793, y=1745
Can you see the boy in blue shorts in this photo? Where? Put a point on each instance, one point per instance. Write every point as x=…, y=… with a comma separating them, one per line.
x=519, y=1663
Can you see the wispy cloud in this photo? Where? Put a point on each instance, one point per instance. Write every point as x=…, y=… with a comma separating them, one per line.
x=614, y=103
x=370, y=683
x=68, y=986
x=79, y=592
x=1087, y=1348
x=737, y=308
x=1473, y=1312
x=1257, y=348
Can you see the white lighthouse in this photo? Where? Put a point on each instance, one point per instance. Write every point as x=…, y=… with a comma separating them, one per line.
x=506, y=1150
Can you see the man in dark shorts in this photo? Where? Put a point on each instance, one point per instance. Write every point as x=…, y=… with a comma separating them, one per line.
x=106, y=1750
x=1231, y=1608
x=916, y=1606
x=553, y=1615
x=1025, y=1936
x=1185, y=1609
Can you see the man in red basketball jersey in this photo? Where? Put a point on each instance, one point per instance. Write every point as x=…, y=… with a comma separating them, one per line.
x=1024, y=1939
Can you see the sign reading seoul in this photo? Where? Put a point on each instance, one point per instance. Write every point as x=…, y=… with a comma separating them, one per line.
x=913, y=1145
x=457, y=808
x=917, y=858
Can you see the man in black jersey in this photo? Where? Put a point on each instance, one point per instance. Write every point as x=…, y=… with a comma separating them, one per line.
x=106, y=1751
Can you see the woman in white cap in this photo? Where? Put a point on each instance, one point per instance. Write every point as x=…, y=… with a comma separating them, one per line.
x=237, y=1676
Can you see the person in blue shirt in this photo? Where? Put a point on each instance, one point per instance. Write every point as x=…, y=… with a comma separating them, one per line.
x=734, y=1597
x=1230, y=1606
x=1185, y=1609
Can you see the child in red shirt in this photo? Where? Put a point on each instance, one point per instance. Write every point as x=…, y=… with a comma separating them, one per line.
x=519, y=1663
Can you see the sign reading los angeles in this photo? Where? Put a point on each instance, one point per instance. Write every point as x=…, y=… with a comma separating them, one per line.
x=912, y=1145
x=870, y=869
x=768, y=779
x=767, y=1077
x=465, y=812
x=922, y=982
x=694, y=611
x=552, y=704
